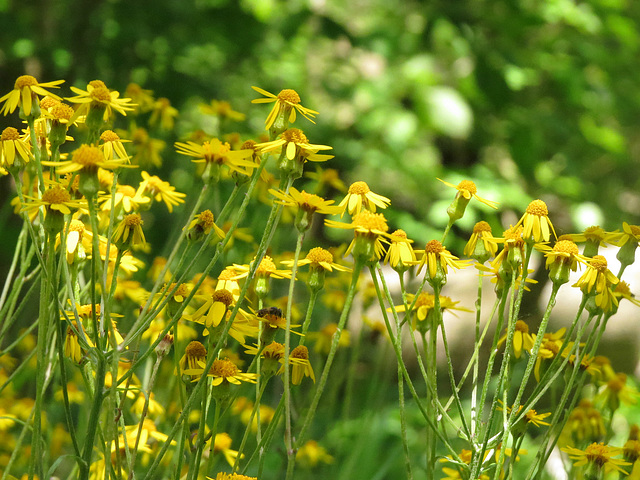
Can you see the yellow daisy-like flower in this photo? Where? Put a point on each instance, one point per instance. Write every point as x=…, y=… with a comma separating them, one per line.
x=87, y=159
x=400, y=254
x=231, y=476
x=55, y=198
x=223, y=109
x=522, y=339
x=160, y=190
x=536, y=223
x=360, y=196
x=563, y=252
x=318, y=258
x=369, y=230
x=225, y=371
x=488, y=246
x=112, y=146
x=616, y=391
x=311, y=454
x=435, y=256
x=599, y=279
x=143, y=99
x=218, y=153
x=129, y=231
x=72, y=347
x=537, y=419
x=513, y=248
x=202, y=224
x=25, y=93
x=12, y=147
x=146, y=149
x=287, y=102
x=300, y=365
x=296, y=145
x=222, y=444
x=305, y=201
x=324, y=338
x=194, y=354
x=163, y=114
x=597, y=456
x=98, y=96
x=622, y=290
x=126, y=197
x=213, y=310
x=266, y=269
x=630, y=233
x=549, y=348
x=468, y=189
x=425, y=304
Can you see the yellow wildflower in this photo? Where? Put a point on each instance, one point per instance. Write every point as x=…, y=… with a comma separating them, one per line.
x=287, y=102
x=25, y=94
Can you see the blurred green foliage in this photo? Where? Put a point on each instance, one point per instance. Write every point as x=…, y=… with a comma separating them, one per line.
x=528, y=98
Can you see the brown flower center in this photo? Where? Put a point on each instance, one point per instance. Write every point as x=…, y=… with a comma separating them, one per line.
x=196, y=350
x=300, y=352
x=222, y=296
x=224, y=368
x=9, y=133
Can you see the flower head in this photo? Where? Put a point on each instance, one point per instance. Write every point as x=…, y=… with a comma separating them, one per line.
x=217, y=153
x=597, y=456
x=438, y=259
x=160, y=190
x=305, y=201
x=25, y=94
x=13, y=147
x=536, y=223
x=129, y=231
x=486, y=248
x=97, y=97
x=112, y=146
x=296, y=146
x=319, y=258
x=360, y=196
x=202, y=224
x=287, y=103
x=87, y=159
x=369, y=231
x=300, y=365
x=598, y=279
x=194, y=353
x=466, y=189
x=522, y=339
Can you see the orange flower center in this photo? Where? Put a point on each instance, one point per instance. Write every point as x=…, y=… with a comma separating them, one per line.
x=597, y=453
x=482, y=226
x=300, y=352
x=622, y=288
x=522, y=327
x=88, y=156
x=9, y=133
x=100, y=94
x=469, y=186
x=318, y=254
x=274, y=350
x=133, y=220
x=370, y=221
x=109, y=136
x=635, y=230
x=224, y=368
x=294, y=135
x=61, y=111
x=182, y=290
x=566, y=246
x=359, y=188
x=76, y=226
x=248, y=145
x=195, y=350
x=599, y=263
x=434, y=246
x=289, y=96
x=25, y=81
x=513, y=234
x=399, y=236
x=266, y=266
x=222, y=296
x=97, y=84
x=226, y=274
x=206, y=219
x=56, y=195
x=425, y=300
x=538, y=208
x=48, y=102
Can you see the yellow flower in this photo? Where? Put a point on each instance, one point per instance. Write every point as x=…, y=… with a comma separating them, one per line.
x=597, y=456
x=296, y=145
x=146, y=149
x=488, y=247
x=359, y=196
x=468, y=189
x=224, y=371
x=129, y=231
x=98, y=96
x=549, y=348
x=126, y=197
x=305, y=201
x=537, y=419
x=287, y=102
x=616, y=391
x=536, y=223
x=72, y=347
x=522, y=339
x=88, y=159
x=622, y=290
x=222, y=444
x=160, y=190
x=324, y=338
x=202, y=225
x=55, y=198
x=24, y=94
x=598, y=279
x=400, y=254
x=436, y=257
x=143, y=99
x=213, y=310
x=218, y=153
x=318, y=258
x=194, y=354
x=12, y=147
x=163, y=114
x=369, y=230
x=300, y=365
x=266, y=269
x=425, y=304
x=231, y=476
x=112, y=146
x=311, y=454
x=222, y=109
